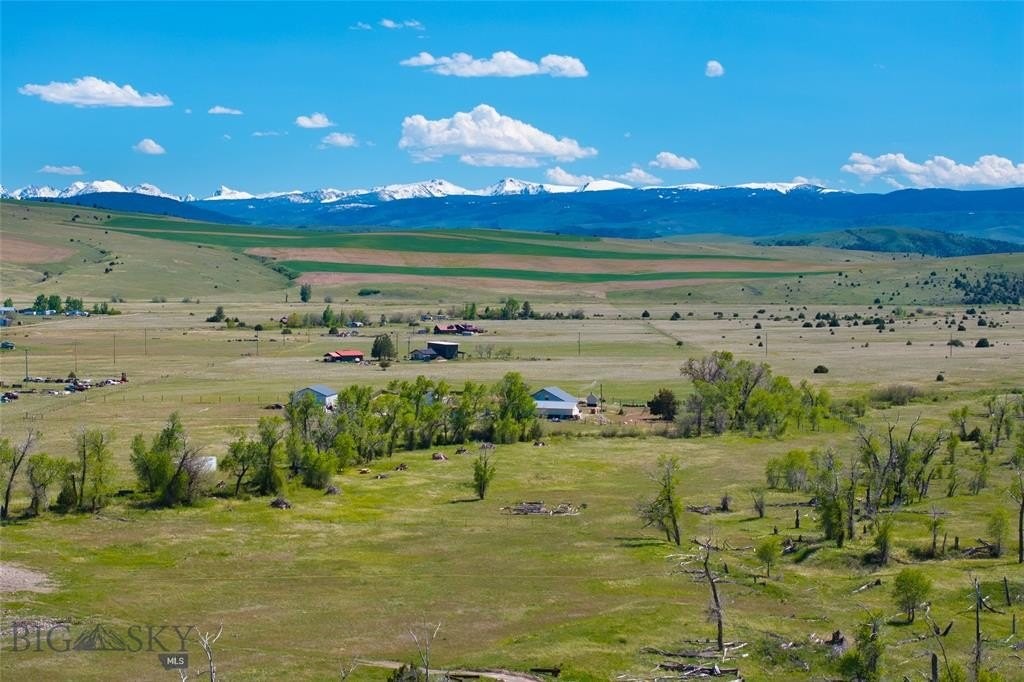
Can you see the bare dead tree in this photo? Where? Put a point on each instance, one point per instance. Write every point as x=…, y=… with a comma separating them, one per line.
x=424, y=645
x=347, y=669
x=206, y=642
x=938, y=635
x=980, y=604
x=1017, y=495
x=716, y=603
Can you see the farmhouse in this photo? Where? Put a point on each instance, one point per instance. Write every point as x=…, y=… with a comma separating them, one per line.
x=344, y=355
x=554, y=403
x=448, y=350
x=323, y=395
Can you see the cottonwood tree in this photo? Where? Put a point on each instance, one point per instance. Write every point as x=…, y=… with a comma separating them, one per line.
x=11, y=459
x=768, y=552
x=42, y=472
x=998, y=526
x=665, y=509
x=94, y=467
x=897, y=463
x=383, y=347
x=664, y=404
x=154, y=464
x=828, y=493
x=516, y=412
x=244, y=454
x=268, y=478
x=910, y=588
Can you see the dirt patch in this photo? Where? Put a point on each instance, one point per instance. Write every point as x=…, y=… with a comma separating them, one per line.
x=17, y=579
x=15, y=250
x=539, y=263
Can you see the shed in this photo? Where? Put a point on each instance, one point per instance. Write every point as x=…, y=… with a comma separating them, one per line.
x=423, y=354
x=593, y=400
x=552, y=409
x=445, y=349
x=323, y=395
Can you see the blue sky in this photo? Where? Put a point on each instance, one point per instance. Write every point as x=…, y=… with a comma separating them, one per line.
x=861, y=96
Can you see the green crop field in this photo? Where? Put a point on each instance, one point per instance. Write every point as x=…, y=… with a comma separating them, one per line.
x=301, y=592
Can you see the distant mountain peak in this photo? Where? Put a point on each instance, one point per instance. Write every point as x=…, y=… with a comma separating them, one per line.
x=602, y=186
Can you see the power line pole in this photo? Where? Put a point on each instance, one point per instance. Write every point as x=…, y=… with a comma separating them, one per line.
x=26, y=363
x=76, y=358
x=145, y=341
x=579, y=344
x=115, y=353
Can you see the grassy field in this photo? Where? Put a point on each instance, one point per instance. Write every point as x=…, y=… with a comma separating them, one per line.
x=301, y=591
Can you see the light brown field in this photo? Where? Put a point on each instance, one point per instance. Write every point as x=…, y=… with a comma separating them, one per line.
x=596, y=290
x=15, y=250
x=541, y=263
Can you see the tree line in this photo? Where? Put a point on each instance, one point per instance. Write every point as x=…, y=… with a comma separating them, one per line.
x=307, y=446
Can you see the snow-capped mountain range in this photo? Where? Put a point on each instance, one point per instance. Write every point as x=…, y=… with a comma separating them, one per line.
x=600, y=207
x=428, y=189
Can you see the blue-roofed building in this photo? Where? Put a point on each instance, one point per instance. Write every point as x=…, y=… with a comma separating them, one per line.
x=556, y=394
x=324, y=395
x=554, y=403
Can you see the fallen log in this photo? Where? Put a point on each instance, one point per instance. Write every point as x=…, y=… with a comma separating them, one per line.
x=688, y=669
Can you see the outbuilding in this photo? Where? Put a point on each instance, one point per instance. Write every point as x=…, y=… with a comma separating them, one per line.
x=557, y=409
x=448, y=350
x=344, y=355
x=423, y=354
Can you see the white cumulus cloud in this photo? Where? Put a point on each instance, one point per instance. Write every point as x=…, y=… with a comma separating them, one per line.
x=674, y=162
x=714, y=69
x=939, y=171
x=314, y=120
x=484, y=137
x=90, y=91
x=360, y=26
x=61, y=170
x=224, y=111
x=503, y=64
x=560, y=176
x=267, y=133
x=407, y=23
x=637, y=176
x=148, y=145
x=338, y=140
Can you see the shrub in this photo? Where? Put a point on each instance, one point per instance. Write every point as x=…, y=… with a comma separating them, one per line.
x=821, y=369
x=982, y=343
x=940, y=377
x=896, y=394
x=483, y=474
